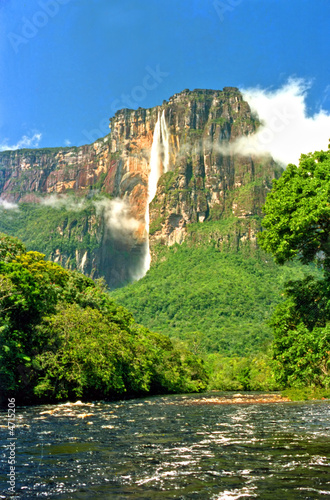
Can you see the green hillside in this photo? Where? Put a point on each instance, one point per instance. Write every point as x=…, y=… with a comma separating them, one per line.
x=73, y=231
x=66, y=228
x=218, y=301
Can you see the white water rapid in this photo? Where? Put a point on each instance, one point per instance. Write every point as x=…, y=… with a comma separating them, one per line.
x=159, y=163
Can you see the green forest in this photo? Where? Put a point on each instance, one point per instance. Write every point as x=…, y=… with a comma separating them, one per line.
x=66, y=228
x=297, y=223
x=220, y=305
x=62, y=336
x=224, y=299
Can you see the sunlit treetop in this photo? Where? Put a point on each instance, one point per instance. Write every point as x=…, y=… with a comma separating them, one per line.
x=10, y=247
x=297, y=221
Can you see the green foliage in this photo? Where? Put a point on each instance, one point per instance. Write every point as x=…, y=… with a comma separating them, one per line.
x=99, y=184
x=253, y=373
x=87, y=354
x=10, y=247
x=229, y=297
x=305, y=393
x=196, y=133
x=302, y=336
x=62, y=336
x=156, y=225
x=297, y=211
x=298, y=224
x=166, y=182
x=220, y=121
x=63, y=228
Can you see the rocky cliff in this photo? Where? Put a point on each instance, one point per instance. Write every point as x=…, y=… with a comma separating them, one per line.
x=199, y=178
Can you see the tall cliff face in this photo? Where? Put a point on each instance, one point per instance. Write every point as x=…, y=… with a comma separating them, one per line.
x=28, y=172
x=203, y=181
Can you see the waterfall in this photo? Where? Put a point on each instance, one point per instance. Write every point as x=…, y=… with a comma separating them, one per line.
x=83, y=262
x=159, y=163
x=154, y=174
x=165, y=139
x=155, y=164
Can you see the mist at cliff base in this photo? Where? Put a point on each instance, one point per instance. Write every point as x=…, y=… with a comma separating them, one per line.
x=287, y=130
x=116, y=213
x=122, y=246
x=118, y=219
x=8, y=205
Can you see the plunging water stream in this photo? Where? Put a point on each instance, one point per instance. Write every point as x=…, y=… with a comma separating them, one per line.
x=159, y=164
x=166, y=144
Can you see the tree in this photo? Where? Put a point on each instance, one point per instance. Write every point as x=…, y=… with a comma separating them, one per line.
x=297, y=225
x=10, y=247
x=6, y=291
x=297, y=220
x=301, y=353
x=85, y=355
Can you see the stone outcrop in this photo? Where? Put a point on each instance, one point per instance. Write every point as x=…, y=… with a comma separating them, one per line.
x=204, y=180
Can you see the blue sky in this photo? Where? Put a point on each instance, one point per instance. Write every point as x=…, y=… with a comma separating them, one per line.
x=67, y=65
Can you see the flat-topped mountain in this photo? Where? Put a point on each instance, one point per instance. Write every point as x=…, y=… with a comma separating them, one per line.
x=181, y=146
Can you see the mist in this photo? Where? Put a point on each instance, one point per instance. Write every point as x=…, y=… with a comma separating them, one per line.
x=118, y=218
x=7, y=205
x=63, y=201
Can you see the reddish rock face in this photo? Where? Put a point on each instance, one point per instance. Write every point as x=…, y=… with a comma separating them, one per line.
x=202, y=181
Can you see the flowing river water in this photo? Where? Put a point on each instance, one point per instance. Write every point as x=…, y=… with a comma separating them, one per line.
x=209, y=446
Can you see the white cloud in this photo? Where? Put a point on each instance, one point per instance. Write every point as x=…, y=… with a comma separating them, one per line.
x=287, y=131
x=58, y=201
x=7, y=205
x=118, y=218
x=24, y=142
x=67, y=142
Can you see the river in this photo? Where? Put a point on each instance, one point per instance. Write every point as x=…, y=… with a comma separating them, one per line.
x=166, y=447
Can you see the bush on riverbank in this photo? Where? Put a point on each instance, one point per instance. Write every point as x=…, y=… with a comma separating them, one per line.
x=253, y=373
x=306, y=393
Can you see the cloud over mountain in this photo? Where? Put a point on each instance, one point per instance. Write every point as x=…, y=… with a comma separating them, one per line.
x=287, y=129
